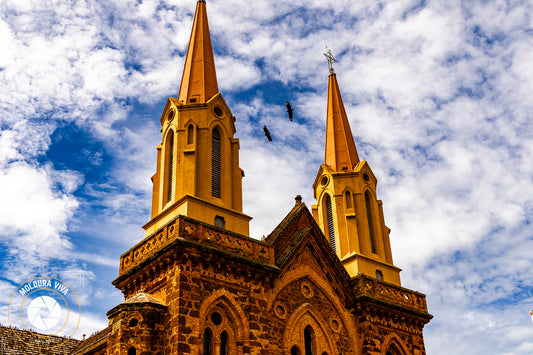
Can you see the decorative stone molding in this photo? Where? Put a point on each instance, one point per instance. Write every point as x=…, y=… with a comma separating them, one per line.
x=307, y=289
x=367, y=286
x=186, y=228
x=280, y=310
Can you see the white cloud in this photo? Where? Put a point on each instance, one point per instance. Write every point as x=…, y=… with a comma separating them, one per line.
x=235, y=74
x=34, y=216
x=438, y=96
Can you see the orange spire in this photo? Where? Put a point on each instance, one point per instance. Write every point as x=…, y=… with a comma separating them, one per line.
x=199, y=80
x=341, y=153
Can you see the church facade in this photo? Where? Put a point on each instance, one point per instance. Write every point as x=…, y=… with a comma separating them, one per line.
x=323, y=282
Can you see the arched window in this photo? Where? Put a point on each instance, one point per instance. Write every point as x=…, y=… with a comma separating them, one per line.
x=348, y=198
x=308, y=340
x=169, y=164
x=295, y=350
x=190, y=134
x=132, y=351
x=329, y=217
x=208, y=342
x=215, y=163
x=379, y=275
x=369, y=220
x=224, y=343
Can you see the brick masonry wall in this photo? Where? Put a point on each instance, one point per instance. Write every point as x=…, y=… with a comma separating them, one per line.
x=141, y=326
x=262, y=307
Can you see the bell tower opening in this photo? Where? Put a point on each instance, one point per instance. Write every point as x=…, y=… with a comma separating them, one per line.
x=370, y=223
x=169, y=149
x=215, y=163
x=330, y=222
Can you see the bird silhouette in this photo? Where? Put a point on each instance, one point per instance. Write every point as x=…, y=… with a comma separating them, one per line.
x=289, y=109
x=267, y=133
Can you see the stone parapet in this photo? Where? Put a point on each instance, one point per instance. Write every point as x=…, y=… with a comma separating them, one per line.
x=189, y=229
x=370, y=287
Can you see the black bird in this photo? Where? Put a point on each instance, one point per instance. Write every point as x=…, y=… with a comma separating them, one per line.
x=267, y=133
x=289, y=109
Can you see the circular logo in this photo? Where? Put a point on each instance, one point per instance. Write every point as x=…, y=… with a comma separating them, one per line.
x=44, y=312
x=46, y=306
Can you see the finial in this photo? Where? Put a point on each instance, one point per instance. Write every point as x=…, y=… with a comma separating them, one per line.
x=298, y=199
x=331, y=59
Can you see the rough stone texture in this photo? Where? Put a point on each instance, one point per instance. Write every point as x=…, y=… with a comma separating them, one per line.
x=190, y=279
x=137, y=325
x=23, y=342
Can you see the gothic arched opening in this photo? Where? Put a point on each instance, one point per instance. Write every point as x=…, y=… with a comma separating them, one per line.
x=215, y=163
x=369, y=216
x=329, y=221
x=309, y=340
x=169, y=166
x=207, y=342
x=295, y=350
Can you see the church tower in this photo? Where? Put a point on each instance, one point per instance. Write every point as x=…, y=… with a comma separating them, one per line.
x=347, y=209
x=198, y=284
x=198, y=172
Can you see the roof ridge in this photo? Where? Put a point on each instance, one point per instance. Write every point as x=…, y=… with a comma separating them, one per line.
x=285, y=222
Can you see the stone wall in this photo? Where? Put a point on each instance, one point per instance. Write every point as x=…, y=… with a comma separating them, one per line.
x=263, y=297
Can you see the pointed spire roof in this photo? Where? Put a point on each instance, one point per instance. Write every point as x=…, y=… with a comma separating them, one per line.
x=199, y=80
x=341, y=153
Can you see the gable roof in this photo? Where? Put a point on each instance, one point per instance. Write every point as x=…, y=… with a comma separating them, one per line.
x=93, y=342
x=15, y=341
x=299, y=228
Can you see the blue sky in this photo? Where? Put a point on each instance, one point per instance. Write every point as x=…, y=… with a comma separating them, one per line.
x=438, y=94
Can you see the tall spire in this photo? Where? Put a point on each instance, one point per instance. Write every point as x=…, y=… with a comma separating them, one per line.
x=341, y=153
x=198, y=173
x=347, y=209
x=199, y=80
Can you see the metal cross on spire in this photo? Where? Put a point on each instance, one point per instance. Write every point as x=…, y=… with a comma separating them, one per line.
x=331, y=59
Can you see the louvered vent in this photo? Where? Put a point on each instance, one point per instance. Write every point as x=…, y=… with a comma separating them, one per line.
x=215, y=164
x=331, y=229
x=170, y=165
x=369, y=220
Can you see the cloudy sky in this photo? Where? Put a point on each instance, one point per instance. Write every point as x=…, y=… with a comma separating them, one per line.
x=438, y=94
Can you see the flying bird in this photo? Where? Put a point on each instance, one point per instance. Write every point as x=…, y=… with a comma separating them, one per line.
x=267, y=133
x=289, y=109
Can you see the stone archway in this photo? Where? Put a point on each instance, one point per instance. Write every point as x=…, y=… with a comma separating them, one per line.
x=304, y=317
x=220, y=313
x=392, y=345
